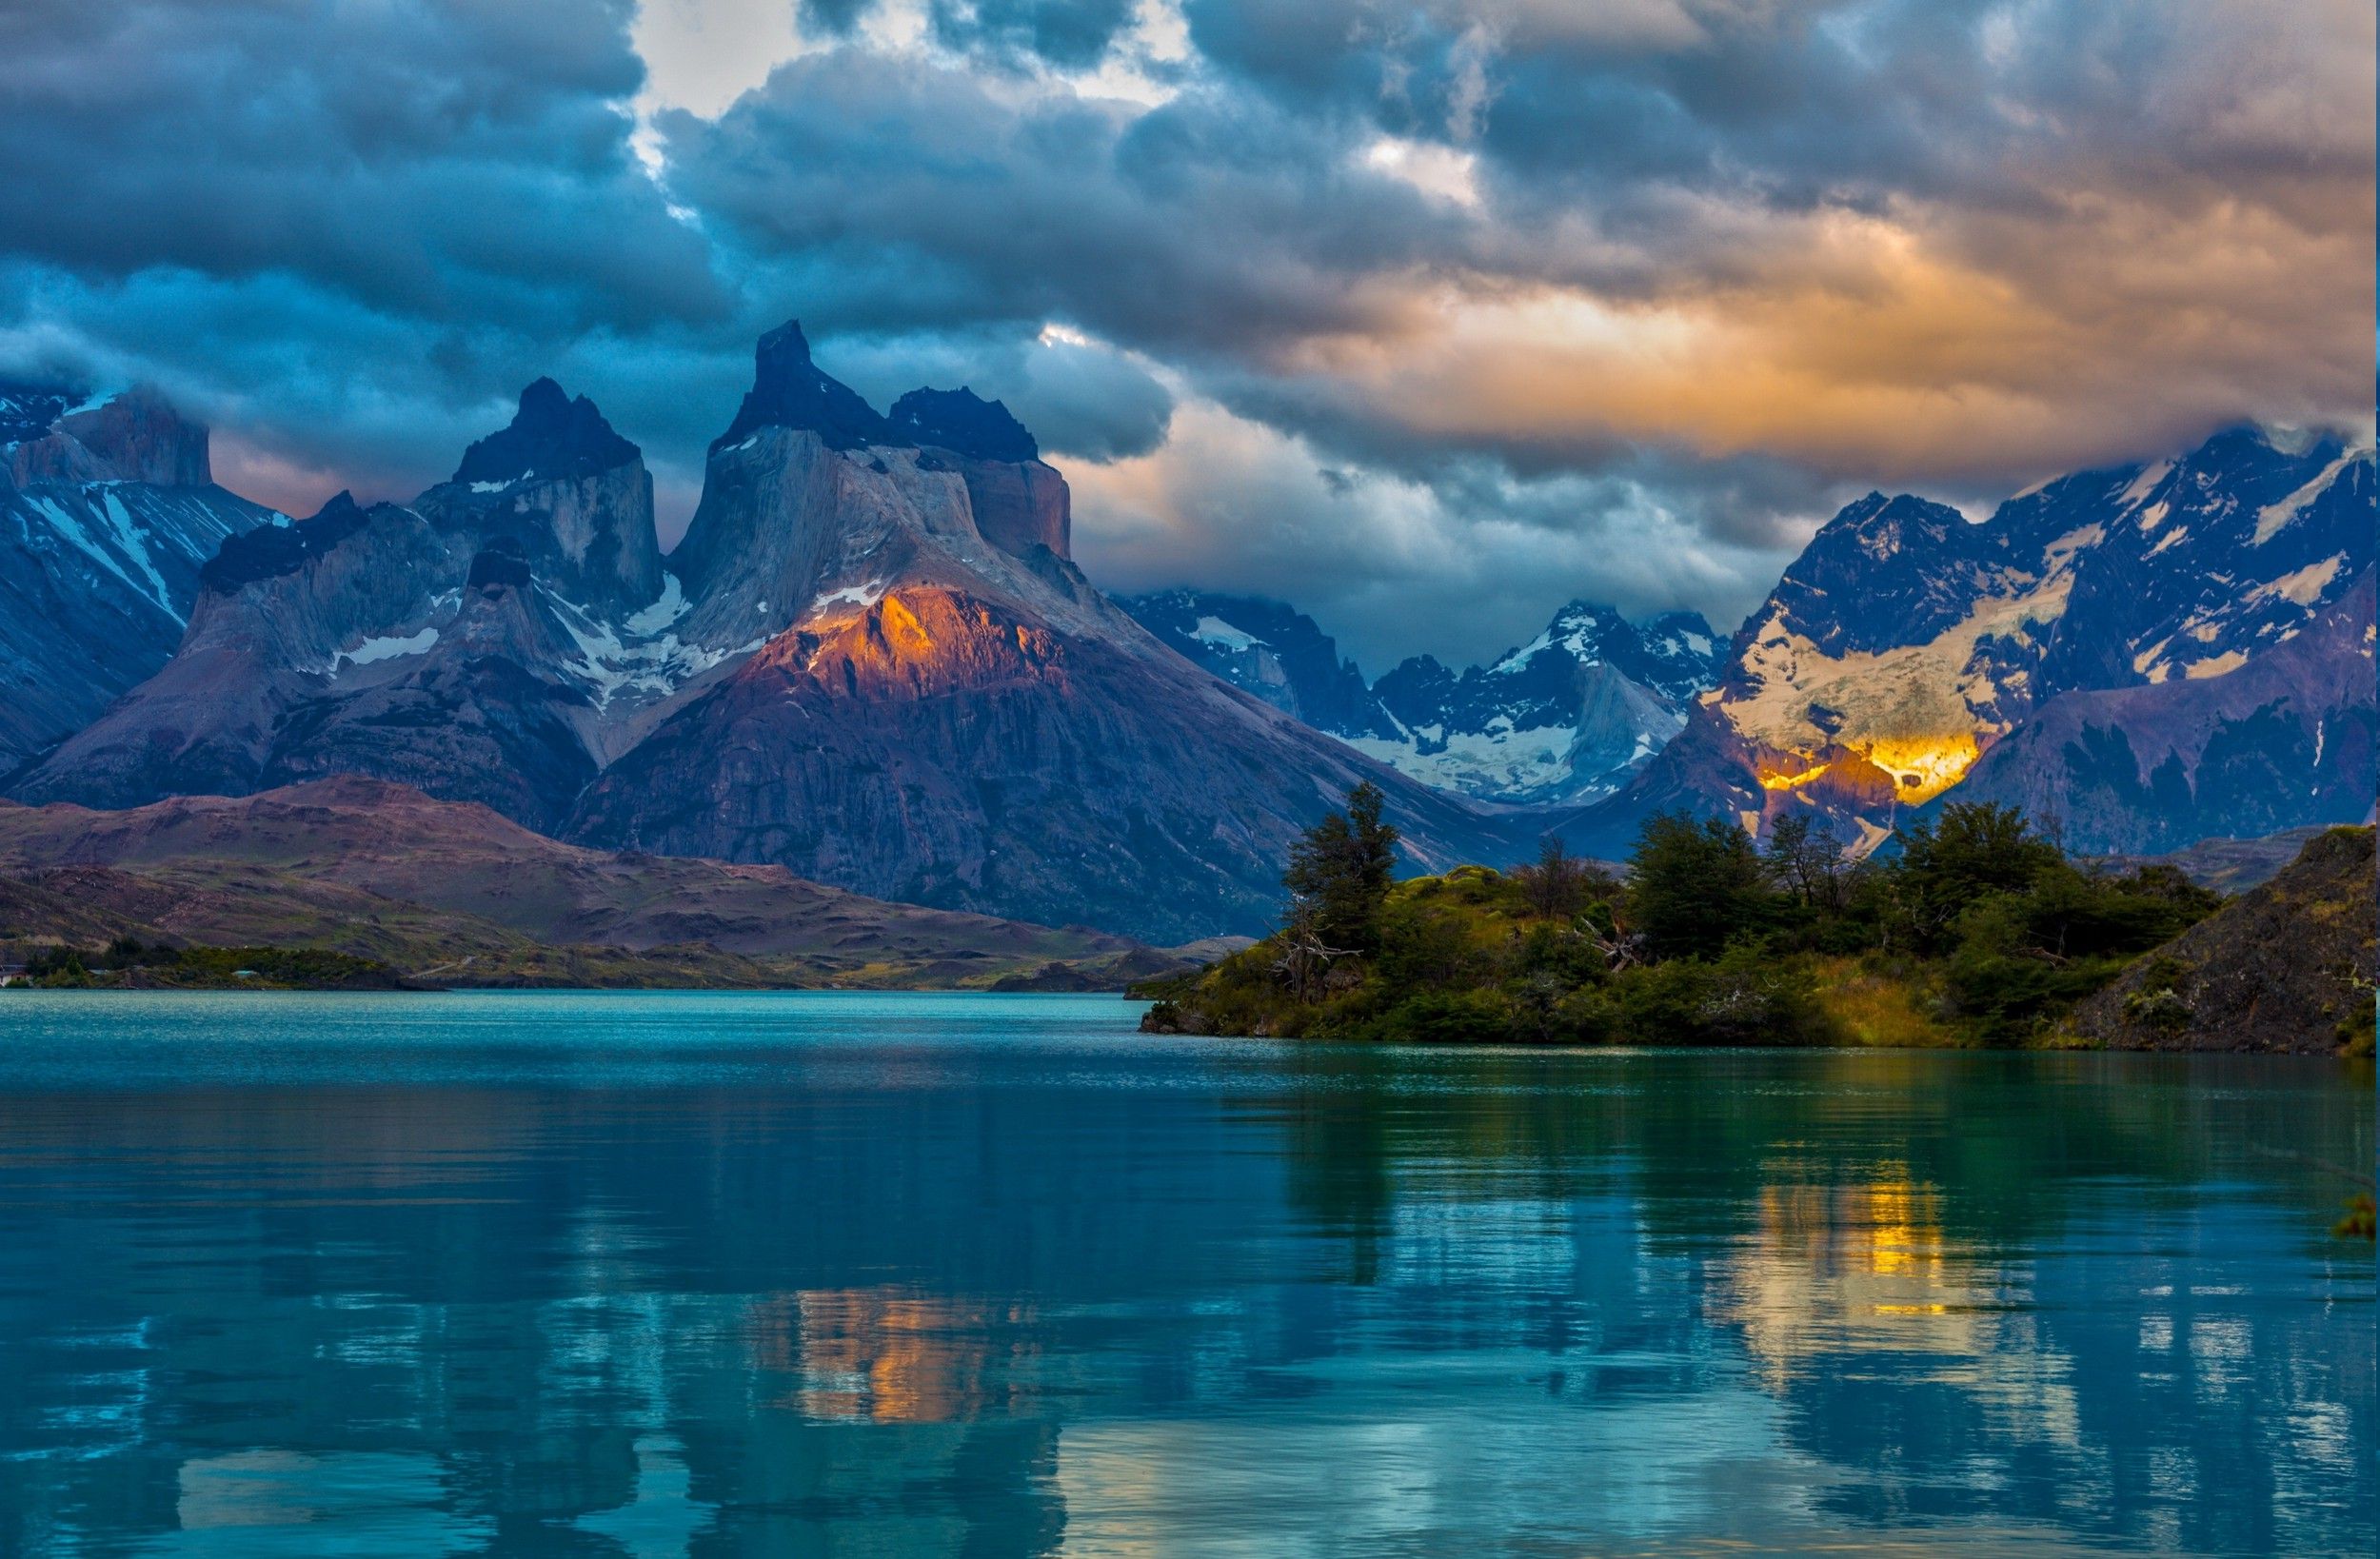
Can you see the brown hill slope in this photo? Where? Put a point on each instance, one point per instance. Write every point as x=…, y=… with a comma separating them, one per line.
x=326, y=860
x=2287, y=967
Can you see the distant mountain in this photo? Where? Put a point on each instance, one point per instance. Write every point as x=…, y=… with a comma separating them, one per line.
x=1567, y=716
x=1270, y=650
x=870, y=660
x=108, y=511
x=1908, y=651
x=474, y=643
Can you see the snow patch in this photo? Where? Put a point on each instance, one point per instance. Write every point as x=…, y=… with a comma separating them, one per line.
x=642, y=665
x=861, y=596
x=2303, y=586
x=1214, y=630
x=500, y=486
x=1503, y=762
x=2274, y=517
x=670, y=606
x=387, y=647
x=2142, y=485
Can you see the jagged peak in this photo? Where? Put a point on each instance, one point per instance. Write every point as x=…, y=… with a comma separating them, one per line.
x=269, y=551
x=790, y=390
x=963, y=423
x=551, y=436
x=135, y=435
x=30, y=407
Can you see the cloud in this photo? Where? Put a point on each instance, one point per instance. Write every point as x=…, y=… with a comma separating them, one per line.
x=1428, y=314
x=1233, y=504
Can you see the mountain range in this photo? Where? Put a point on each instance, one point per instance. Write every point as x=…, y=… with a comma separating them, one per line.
x=1568, y=717
x=872, y=662
x=871, y=659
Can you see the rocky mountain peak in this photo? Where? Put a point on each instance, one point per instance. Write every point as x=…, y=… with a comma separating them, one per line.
x=790, y=390
x=137, y=435
x=552, y=437
x=965, y=424
x=270, y=551
x=30, y=407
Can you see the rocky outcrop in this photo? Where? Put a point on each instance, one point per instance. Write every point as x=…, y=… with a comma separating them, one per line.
x=137, y=435
x=107, y=518
x=2289, y=968
x=945, y=717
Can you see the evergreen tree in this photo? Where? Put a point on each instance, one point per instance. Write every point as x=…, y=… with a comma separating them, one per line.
x=1978, y=849
x=1340, y=872
x=1694, y=886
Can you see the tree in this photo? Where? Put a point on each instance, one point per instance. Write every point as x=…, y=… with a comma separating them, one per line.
x=1339, y=875
x=1694, y=886
x=1976, y=850
x=1806, y=863
x=1558, y=884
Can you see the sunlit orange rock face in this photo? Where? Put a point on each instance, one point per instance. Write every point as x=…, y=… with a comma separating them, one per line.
x=918, y=642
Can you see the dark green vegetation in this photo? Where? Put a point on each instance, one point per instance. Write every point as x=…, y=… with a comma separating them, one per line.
x=1973, y=929
x=128, y=964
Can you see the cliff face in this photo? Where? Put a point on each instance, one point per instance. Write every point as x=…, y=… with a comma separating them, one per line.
x=107, y=516
x=2287, y=967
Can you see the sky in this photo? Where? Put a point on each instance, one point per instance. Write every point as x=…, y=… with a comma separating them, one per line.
x=1424, y=317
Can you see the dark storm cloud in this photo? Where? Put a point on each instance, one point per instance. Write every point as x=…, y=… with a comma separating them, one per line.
x=928, y=195
x=461, y=163
x=1065, y=33
x=1428, y=314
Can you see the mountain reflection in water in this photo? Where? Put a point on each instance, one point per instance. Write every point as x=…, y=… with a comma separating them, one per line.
x=827, y=1275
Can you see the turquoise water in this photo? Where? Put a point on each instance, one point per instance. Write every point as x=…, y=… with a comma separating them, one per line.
x=825, y=1274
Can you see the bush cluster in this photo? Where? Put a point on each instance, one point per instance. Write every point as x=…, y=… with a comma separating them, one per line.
x=1976, y=929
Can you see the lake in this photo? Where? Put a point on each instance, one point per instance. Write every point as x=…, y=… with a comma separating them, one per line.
x=824, y=1273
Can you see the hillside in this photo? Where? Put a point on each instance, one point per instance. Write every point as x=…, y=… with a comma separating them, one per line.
x=2287, y=967
x=453, y=891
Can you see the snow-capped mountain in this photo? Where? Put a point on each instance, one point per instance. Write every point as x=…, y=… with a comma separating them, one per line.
x=482, y=643
x=1908, y=643
x=1268, y=649
x=871, y=661
x=108, y=512
x=1567, y=716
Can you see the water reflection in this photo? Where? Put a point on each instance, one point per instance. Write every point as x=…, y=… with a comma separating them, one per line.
x=903, y=1275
